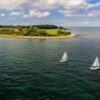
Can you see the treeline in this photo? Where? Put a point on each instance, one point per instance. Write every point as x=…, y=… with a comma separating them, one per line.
x=7, y=26
x=34, y=30
x=38, y=26
x=46, y=26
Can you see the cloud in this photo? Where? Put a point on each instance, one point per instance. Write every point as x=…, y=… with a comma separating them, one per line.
x=15, y=13
x=85, y=22
x=42, y=8
x=93, y=5
x=93, y=13
x=2, y=14
x=40, y=4
x=11, y=4
x=70, y=4
x=36, y=13
x=69, y=13
x=51, y=4
x=25, y=16
x=67, y=7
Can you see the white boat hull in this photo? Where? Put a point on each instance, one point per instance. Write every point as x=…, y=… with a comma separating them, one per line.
x=95, y=68
x=62, y=61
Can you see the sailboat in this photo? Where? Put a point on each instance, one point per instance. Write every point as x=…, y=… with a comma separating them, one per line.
x=96, y=64
x=64, y=57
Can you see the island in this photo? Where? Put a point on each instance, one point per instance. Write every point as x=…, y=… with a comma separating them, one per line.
x=35, y=31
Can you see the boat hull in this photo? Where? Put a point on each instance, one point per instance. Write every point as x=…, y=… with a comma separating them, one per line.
x=95, y=68
x=62, y=61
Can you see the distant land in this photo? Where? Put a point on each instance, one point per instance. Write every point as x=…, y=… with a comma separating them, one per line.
x=35, y=31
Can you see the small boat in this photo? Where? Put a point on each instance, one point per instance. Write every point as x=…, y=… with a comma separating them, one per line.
x=96, y=64
x=64, y=57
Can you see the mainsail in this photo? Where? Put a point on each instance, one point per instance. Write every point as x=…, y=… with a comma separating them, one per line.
x=96, y=64
x=64, y=57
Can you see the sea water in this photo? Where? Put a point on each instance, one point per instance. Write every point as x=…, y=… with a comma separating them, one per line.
x=30, y=69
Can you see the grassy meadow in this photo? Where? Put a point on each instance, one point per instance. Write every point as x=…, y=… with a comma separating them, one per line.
x=34, y=31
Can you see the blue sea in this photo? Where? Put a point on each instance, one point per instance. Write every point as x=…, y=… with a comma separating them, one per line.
x=30, y=69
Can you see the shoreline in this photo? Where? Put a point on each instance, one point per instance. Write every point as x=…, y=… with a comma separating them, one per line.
x=39, y=37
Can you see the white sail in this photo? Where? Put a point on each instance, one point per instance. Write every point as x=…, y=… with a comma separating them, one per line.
x=64, y=57
x=96, y=64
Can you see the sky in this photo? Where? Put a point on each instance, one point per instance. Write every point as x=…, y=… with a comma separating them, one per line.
x=57, y=12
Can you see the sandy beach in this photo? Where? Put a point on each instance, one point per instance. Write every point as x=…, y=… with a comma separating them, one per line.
x=39, y=37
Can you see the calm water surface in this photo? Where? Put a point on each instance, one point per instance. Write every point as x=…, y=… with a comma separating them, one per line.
x=30, y=69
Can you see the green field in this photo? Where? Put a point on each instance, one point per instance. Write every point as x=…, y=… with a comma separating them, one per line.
x=33, y=32
x=57, y=32
x=52, y=32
